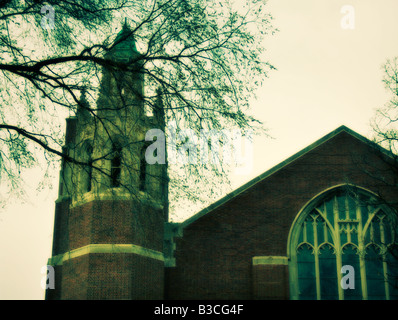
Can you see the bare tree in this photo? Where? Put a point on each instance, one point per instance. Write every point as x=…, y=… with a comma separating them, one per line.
x=384, y=125
x=201, y=62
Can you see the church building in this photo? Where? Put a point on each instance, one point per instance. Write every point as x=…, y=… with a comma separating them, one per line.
x=320, y=225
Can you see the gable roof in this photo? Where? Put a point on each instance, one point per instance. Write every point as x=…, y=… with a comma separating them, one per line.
x=284, y=163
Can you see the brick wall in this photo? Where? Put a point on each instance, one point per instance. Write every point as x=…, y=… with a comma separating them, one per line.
x=75, y=275
x=214, y=256
x=118, y=221
x=108, y=275
x=270, y=282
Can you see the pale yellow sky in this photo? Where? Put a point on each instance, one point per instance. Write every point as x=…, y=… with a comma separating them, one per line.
x=327, y=76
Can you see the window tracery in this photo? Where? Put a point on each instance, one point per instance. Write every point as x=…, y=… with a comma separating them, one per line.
x=344, y=229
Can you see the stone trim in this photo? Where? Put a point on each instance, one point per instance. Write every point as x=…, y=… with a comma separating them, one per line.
x=270, y=260
x=105, y=248
x=113, y=194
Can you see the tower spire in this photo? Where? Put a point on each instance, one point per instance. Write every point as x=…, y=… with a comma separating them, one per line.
x=83, y=112
x=117, y=212
x=124, y=48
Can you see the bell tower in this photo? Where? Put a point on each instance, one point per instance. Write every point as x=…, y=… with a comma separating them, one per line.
x=112, y=204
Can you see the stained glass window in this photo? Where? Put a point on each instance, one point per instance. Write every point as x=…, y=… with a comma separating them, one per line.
x=344, y=227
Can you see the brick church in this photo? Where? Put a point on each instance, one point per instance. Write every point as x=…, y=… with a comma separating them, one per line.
x=290, y=233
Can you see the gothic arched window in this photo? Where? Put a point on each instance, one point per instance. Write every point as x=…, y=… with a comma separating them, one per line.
x=143, y=178
x=87, y=170
x=116, y=165
x=343, y=227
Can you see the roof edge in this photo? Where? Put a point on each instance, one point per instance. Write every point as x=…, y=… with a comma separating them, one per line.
x=279, y=166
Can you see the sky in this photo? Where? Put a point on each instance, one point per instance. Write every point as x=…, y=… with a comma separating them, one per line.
x=327, y=76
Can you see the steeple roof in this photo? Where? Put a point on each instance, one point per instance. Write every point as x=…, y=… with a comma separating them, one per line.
x=124, y=47
x=83, y=108
x=337, y=132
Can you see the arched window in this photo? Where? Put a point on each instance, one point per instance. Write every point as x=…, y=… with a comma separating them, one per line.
x=143, y=181
x=63, y=172
x=87, y=170
x=344, y=226
x=116, y=165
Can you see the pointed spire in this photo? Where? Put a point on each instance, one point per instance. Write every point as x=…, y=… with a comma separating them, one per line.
x=83, y=112
x=125, y=34
x=124, y=48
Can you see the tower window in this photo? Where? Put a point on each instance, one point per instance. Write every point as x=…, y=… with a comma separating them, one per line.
x=89, y=168
x=86, y=170
x=62, y=176
x=143, y=169
x=116, y=165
